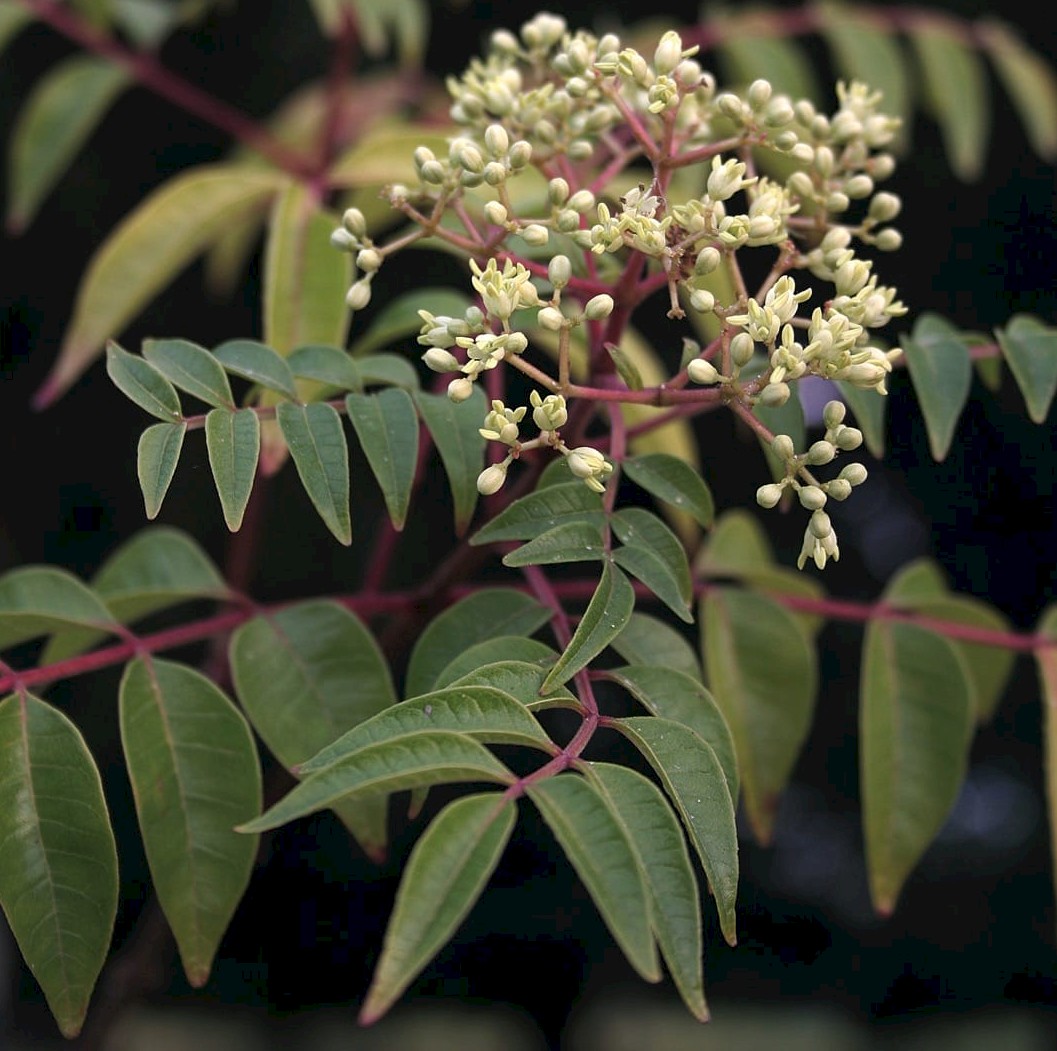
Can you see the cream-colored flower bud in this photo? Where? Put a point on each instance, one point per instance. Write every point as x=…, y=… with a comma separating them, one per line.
x=496, y=139
x=491, y=479
x=889, y=240
x=460, y=389
x=782, y=447
x=536, y=235
x=708, y=259
x=800, y=184
x=779, y=113
x=495, y=212
x=503, y=41
x=494, y=173
x=551, y=319
x=549, y=414
x=742, y=348
x=703, y=372
x=440, y=360
x=369, y=260
x=803, y=153
x=785, y=140
x=820, y=453
x=837, y=202
x=838, y=489
x=811, y=497
x=854, y=474
x=598, y=307
x=353, y=220
x=833, y=414
x=432, y=172
x=759, y=93
x=558, y=192
x=581, y=201
x=769, y=495
x=703, y=301
x=820, y=524
x=559, y=271
x=883, y=165
x=824, y=161
x=730, y=106
x=359, y=295
x=520, y=154
x=858, y=187
x=568, y=221
x=580, y=150
x=775, y=395
x=342, y=240
x=669, y=53
x=848, y=439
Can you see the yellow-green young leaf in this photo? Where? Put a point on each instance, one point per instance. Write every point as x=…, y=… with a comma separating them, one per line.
x=956, y=89
x=653, y=553
x=388, y=370
x=144, y=252
x=36, y=600
x=675, y=482
x=384, y=155
x=511, y=648
x=569, y=542
x=543, y=510
x=659, y=847
x=305, y=675
x=58, y=864
x=62, y=111
x=482, y=712
x=399, y=318
x=194, y=772
x=647, y=640
x=387, y=426
x=673, y=695
x=455, y=430
x=257, y=363
x=317, y=443
x=1030, y=82
x=404, y=22
x=939, y=366
x=1030, y=348
x=598, y=847
x=485, y=614
x=625, y=367
x=916, y=719
x=228, y=256
x=191, y=368
x=305, y=280
x=750, y=48
x=1046, y=661
x=521, y=679
x=156, y=458
x=326, y=365
x=868, y=407
x=604, y=619
x=233, y=441
x=143, y=384
x=694, y=780
x=782, y=419
x=762, y=670
x=429, y=757
x=445, y=874
x=13, y=18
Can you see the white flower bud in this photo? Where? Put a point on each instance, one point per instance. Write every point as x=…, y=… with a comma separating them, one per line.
x=854, y=474
x=342, y=240
x=837, y=202
x=707, y=260
x=820, y=453
x=559, y=271
x=669, y=53
x=775, y=395
x=759, y=93
x=369, y=260
x=494, y=173
x=858, y=187
x=803, y=153
x=440, y=360
x=495, y=212
x=782, y=447
x=838, y=489
x=580, y=149
x=460, y=389
x=820, y=524
x=779, y=113
x=359, y=295
x=848, y=438
x=883, y=165
x=703, y=372
x=520, y=154
x=536, y=235
x=558, y=192
x=889, y=240
x=800, y=183
x=833, y=414
x=703, y=301
x=768, y=495
x=598, y=307
x=811, y=497
x=491, y=479
x=581, y=201
x=432, y=172
x=353, y=220
x=496, y=139
x=551, y=319
x=742, y=349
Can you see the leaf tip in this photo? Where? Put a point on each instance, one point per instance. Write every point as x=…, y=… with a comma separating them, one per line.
x=47, y=394
x=71, y=1027
x=197, y=974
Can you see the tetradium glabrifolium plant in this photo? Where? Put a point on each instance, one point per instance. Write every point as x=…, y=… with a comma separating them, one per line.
x=588, y=184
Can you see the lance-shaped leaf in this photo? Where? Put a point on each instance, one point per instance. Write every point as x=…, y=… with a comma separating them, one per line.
x=940, y=370
x=521, y=680
x=445, y=874
x=388, y=370
x=37, y=600
x=868, y=407
x=1046, y=662
x=680, y=698
x=157, y=455
x=62, y=111
x=387, y=425
x=317, y=443
x=656, y=839
x=569, y=542
x=142, y=383
x=486, y=614
x=305, y=675
x=257, y=363
x=233, y=441
x=653, y=553
x=1030, y=348
x=191, y=368
x=673, y=481
x=399, y=317
x=694, y=779
x=195, y=776
x=501, y=648
x=428, y=757
x=604, y=619
x=916, y=719
x=762, y=671
x=600, y=852
x=956, y=88
x=546, y=508
x=58, y=862
x=482, y=712
x=326, y=365
x=144, y=252
x=647, y=640
x=455, y=430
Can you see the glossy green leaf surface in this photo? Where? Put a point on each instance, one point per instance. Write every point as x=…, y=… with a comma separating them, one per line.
x=522, y=680
x=694, y=779
x=387, y=426
x=445, y=874
x=653, y=553
x=1030, y=349
x=398, y=318
x=314, y=435
x=195, y=776
x=501, y=648
x=485, y=614
x=388, y=370
x=647, y=640
x=157, y=455
x=675, y=482
x=546, y=508
x=604, y=619
x=257, y=363
x=36, y=600
x=191, y=368
x=58, y=862
x=599, y=849
x=142, y=383
x=327, y=365
x=233, y=442
x=569, y=542
x=762, y=671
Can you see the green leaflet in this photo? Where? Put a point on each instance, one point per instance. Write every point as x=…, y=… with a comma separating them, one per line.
x=58, y=866
x=233, y=441
x=13, y=18
x=429, y=757
x=191, y=368
x=675, y=482
x=62, y=111
x=659, y=847
x=762, y=671
x=1046, y=663
x=481, y=712
x=399, y=318
x=257, y=363
x=653, y=553
x=388, y=370
x=445, y=874
x=387, y=427
x=143, y=384
x=749, y=49
x=194, y=772
x=694, y=779
x=384, y=155
x=647, y=640
x=455, y=430
x=868, y=408
x=956, y=89
x=316, y=441
x=327, y=365
x=940, y=370
x=1030, y=349
x=597, y=845
x=485, y=614
x=915, y=725
x=606, y=614
x=305, y=675
x=144, y=252
x=157, y=455
x=523, y=681
x=569, y=542
x=501, y=648
x=37, y=600
x=403, y=23
x=553, y=505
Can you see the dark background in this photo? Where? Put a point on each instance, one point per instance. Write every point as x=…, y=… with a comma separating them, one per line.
x=976, y=925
